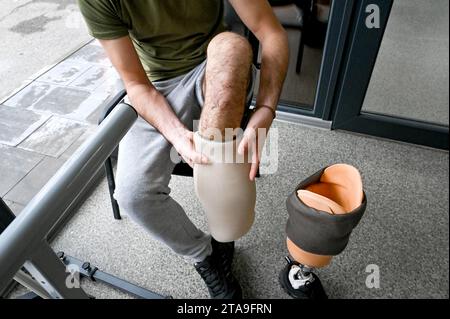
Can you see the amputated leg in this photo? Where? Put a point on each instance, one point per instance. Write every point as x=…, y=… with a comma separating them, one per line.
x=227, y=77
x=223, y=187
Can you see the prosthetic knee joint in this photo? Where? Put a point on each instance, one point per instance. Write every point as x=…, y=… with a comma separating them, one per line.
x=224, y=189
x=323, y=211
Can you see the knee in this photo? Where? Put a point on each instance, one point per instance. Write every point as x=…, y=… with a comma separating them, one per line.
x=226, y=82
x=232, y=44
x=136, y=200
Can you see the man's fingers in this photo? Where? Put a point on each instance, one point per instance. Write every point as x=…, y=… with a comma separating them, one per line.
x=254, y=171
x=243, y=146
x=205, y=160
x=198, y=158
x=201, y=159
x=247, y=141
x=255, y=163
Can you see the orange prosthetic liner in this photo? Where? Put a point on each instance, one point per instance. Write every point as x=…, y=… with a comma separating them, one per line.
x=323, y=211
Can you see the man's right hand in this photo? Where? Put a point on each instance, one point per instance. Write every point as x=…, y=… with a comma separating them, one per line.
x=184, y=144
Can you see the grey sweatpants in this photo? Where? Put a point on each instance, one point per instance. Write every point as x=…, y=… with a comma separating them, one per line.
x=144, y=170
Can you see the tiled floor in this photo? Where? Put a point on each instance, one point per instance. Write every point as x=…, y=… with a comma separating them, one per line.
x=35, y=34
x=45, y=122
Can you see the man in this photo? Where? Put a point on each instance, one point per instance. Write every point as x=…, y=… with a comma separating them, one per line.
x=177, y=66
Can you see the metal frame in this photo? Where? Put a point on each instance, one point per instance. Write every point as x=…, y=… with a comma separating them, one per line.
x=6, y=218
x=302, y=119
x=24, y=240
x=92, y=273
x=361, y=54
x=109, y=107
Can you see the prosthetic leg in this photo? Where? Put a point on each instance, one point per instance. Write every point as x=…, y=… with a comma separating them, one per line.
x=323, y=211
x=224, y=189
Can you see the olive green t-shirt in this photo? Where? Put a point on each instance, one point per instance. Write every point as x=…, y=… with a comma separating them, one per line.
x=170, y=36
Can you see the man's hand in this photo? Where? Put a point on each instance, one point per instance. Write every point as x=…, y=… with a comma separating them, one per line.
x=252, y=141
x=258, y=16
x=184, y=144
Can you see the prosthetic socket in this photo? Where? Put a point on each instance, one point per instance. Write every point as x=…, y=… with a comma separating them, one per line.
x=323, y=211
x=224, y=189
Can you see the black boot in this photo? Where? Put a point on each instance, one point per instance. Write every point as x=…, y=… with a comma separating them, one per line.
x=223, y=253
x=215, y=270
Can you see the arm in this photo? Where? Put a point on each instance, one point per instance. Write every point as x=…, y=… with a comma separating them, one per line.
x=258, y=16
x=148, y=102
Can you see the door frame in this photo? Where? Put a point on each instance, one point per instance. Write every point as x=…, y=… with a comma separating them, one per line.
x=333, y=54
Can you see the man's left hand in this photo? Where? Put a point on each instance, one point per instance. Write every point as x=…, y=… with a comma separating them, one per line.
x=261, y=119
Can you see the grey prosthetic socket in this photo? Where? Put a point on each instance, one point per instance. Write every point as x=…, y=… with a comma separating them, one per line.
x=224, y=189
x=323, y=211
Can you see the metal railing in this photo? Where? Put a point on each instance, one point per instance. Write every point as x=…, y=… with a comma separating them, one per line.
x=24, y=243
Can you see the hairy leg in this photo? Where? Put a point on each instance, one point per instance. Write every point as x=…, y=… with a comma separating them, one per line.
x=225, y=84
x=223, y=187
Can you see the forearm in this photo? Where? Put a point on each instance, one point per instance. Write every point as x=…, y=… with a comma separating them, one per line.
x=147, y=101
x=274, y=65
x=153, y=107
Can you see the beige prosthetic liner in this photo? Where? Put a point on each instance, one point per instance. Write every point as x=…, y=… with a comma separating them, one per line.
x=224, y=189
x=323, y=211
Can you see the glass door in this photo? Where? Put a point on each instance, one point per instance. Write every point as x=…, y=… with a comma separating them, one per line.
x=394, y=78
x=316, y=42
x=317, y=31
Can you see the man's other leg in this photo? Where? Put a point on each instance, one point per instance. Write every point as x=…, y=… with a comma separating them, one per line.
x=143, y=175
x=225, y=85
